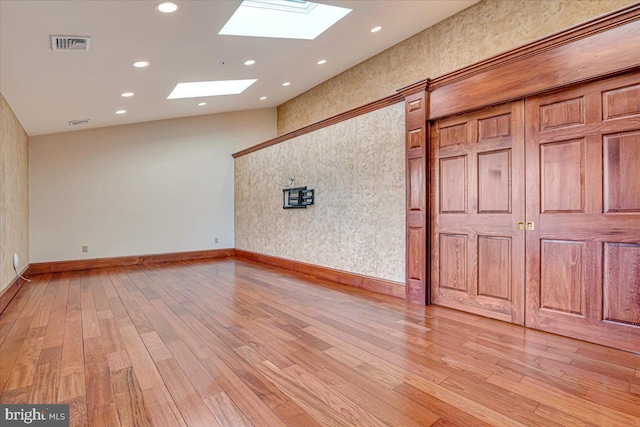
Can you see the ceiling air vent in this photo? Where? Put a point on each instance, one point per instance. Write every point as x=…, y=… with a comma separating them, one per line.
x=80, y=43
x=82, y=122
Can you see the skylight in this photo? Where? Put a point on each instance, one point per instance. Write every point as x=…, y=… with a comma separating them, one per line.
x=212, y=88
x=284, y=19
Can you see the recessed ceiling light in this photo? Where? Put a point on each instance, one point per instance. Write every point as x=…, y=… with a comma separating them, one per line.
x=376, y=29
x=166, y=7
x=202, y=104
x=262, y=98
x=322, y=61
x=141, y=64
x=249, y=62
x=126, y=94
x=121, y=111
x=296, y=19
x=286, y=83
x=213, y=88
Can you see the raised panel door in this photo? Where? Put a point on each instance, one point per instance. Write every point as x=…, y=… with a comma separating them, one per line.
x=477, y=180
x=583, y=196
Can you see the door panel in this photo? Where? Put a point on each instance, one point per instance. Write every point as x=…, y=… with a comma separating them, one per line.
x=583, y=196
x=622, y=172
x=453, y=189
x=621, y=270
x=562, y=176
x=494, y=267
x=477, y=252
x=453, y=262
x=562, y=276
x=494, y=182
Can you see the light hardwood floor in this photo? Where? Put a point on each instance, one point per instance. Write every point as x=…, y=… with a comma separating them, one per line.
x=233, y=343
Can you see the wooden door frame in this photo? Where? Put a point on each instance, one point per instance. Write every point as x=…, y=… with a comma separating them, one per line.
x=560, y=60
x=418, y=205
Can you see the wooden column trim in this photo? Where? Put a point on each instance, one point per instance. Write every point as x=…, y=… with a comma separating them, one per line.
x=417, y=202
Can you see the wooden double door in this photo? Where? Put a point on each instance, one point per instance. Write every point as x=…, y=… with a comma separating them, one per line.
x=536, y=212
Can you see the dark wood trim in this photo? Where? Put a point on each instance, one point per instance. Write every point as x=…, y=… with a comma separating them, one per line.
x=12, y=290
x=598, y=48
x=381, y=286
x=417, y=198
x=596, y=25
x=416, y=87
x=88, y=264
x=364, y=109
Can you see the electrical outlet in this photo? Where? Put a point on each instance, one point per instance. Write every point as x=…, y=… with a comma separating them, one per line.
x=215, y=240
x=85, y=248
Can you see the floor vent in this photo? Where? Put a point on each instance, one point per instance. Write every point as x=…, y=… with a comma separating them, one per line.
x=80, y=43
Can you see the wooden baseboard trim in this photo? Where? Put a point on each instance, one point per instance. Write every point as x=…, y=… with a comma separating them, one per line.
x=88, y=264
x=12, y=290
x=381, y=286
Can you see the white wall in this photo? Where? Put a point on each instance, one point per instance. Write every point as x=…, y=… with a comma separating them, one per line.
x=145, y=188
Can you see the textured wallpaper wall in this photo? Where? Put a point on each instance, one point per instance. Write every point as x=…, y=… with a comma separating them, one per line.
x=14, y=193
x=357, y=224
x=479, y=32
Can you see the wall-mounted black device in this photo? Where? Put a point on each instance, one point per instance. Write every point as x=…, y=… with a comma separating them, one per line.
x=299, y=197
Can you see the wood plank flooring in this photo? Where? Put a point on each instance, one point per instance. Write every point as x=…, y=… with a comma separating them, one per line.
x=232, y=343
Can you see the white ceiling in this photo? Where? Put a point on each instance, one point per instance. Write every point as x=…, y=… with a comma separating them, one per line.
x=47, y=89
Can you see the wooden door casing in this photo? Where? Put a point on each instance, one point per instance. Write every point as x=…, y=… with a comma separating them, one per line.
x=417, y=207
x=583, y=195
x=478, y=186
